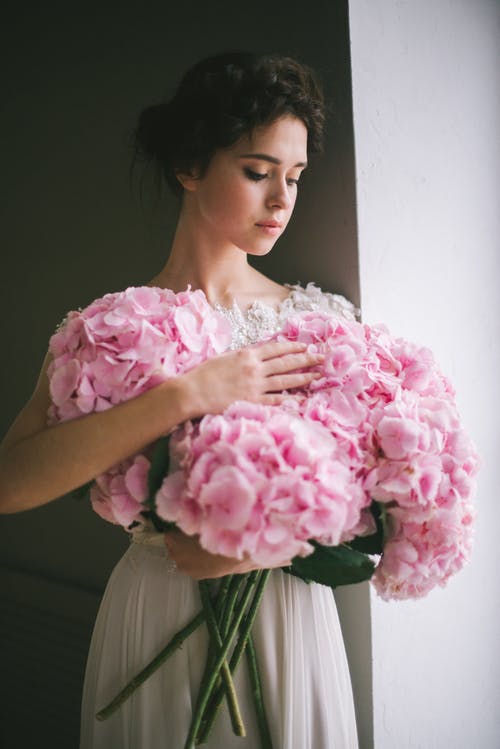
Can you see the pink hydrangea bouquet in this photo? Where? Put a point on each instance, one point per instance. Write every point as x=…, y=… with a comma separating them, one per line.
x=366, y=474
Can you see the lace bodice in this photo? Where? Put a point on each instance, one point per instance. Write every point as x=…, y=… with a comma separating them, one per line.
x=261, y=320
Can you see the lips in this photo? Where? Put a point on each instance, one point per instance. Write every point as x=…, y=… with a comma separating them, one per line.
x=270, y=228
x=270, y=224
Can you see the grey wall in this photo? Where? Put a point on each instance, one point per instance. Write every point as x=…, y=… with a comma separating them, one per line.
x=74, y=226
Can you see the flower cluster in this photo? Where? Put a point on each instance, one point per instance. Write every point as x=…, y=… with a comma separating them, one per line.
x=127, y=342
x=425, y=481
x=116, y=348
x=118, y=494
x=260, y=481
x=386, y=398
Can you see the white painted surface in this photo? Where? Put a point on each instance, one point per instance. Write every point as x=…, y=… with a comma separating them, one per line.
x=426, y=97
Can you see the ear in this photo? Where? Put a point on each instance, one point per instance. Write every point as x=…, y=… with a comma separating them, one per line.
x=189, y=182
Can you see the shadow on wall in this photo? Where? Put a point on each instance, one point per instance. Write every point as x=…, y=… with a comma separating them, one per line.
x=77, y=227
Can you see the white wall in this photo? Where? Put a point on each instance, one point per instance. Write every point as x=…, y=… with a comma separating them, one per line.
x=426, y=89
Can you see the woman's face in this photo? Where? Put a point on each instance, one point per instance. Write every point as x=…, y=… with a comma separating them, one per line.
x=247, y=195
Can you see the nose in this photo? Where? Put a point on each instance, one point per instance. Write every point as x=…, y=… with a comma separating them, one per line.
x=279, y=196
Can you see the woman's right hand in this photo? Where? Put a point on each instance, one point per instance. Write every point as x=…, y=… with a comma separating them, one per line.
x=257, y=373
x=193, y=560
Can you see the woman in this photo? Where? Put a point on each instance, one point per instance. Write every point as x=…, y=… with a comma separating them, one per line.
x=232, y=142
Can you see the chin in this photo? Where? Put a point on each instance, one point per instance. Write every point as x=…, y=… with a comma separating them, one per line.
x=259, y=251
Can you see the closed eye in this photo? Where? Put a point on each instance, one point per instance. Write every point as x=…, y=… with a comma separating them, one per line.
x=255, y=176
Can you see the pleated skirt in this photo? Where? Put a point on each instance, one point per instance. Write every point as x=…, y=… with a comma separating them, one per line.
x=300, y=652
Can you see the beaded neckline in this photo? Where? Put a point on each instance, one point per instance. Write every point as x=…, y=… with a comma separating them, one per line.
x=258, y=321
x=256, y=304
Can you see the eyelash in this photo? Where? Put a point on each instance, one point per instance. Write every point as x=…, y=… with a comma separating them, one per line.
x=257, y=176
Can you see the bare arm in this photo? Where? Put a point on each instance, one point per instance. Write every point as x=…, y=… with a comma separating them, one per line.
x=39, y=463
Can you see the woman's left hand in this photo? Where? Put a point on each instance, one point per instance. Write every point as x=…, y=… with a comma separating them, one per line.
x=191, y=559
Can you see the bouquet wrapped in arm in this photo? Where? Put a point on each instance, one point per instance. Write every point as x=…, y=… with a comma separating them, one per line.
x=368, y=474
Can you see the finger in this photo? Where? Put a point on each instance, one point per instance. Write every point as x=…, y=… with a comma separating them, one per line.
x=173, y=533
x=169, y=539
x=289, y=362
x=278, y=383
x=174, y=539
x=273, y=399
x=271, y=349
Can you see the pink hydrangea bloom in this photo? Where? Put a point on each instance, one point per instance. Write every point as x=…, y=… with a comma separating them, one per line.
x=419, y=555
x=127, y=342
x=117, y=495
x=259, y=481
x=116, y=348
x=388, y=398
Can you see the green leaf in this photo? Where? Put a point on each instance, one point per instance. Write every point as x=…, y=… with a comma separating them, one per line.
x=373, y=544
x=82, y=492
x=333, y=566
x=159, y=525
x=158, y=469
x=367, y=544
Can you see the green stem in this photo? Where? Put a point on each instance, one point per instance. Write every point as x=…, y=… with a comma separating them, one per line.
x=209, y=682
x=231, y=598
x=255, y=681
x=211, y=712
x=146, y=672
x=215, y=646
x=220, y=603
x=222, y=595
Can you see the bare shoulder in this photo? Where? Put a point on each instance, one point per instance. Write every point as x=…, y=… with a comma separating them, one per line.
x=33, y=416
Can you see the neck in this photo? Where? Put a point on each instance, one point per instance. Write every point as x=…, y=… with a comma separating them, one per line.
x=198, y=257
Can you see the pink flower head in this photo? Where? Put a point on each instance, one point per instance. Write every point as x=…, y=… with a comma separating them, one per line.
x=264, y=486
x=118, y=494
x=418, y=556
x=127, y=342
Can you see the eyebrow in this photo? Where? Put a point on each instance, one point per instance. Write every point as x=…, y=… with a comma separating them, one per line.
x=266, y=157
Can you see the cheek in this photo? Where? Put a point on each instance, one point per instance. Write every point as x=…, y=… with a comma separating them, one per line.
x=245, y=195
x=240, y=205
x=213, y=205
x=230, y=202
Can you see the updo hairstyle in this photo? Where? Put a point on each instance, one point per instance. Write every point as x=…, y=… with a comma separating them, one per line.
x=221, y=99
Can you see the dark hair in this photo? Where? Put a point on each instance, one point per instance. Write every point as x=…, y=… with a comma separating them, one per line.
x=220, y=99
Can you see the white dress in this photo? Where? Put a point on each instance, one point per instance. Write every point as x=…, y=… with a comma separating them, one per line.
x=300, y=651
